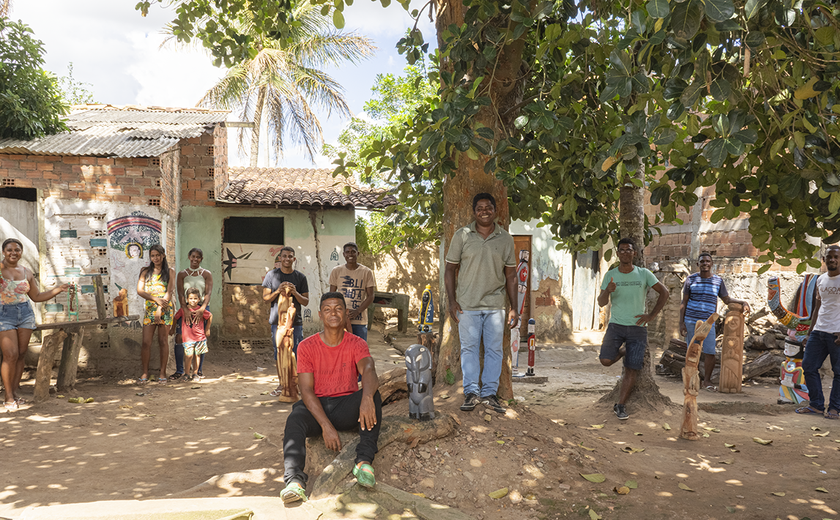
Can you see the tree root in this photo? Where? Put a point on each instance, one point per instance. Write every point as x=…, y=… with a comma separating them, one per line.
x=394, y=429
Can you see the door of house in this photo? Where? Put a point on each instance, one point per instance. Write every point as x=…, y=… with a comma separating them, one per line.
x=523, y=243
x=585, y=290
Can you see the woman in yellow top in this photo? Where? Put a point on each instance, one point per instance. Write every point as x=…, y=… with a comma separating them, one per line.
x=155, y=287
x=17, y=320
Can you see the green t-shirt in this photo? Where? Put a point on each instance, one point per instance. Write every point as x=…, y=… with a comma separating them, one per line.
x=481, y=277
x=628, y=299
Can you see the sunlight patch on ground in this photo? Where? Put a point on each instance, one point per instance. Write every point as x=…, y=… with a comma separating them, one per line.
x=43, y=419
x=734, y=482
x=475, y=463
x=665, y=494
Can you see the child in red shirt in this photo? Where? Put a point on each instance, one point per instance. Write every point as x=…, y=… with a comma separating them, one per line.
x=194, y=334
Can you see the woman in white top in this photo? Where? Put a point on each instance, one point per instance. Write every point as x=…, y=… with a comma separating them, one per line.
x=194, y=277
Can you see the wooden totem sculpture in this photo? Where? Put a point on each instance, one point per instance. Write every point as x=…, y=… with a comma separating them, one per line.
x=286, y=362
x=732, y=358
x=691, y=379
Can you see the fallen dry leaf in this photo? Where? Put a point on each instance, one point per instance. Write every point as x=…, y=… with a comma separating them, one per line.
x=821, y=434
x=727, y=461
x=587, y=449
x=762, y=441
x=714, y=430
x=731, y=509
x=202, y=418
x=259, y=435
x=593, y=515
x=499, y=493
x=811, y=456
x=685, y=487
x=666, y=427
x=623, y=490
x=779, y=493
x=637, y=433
x=628, y=449
x=632, y=484
x=821, y=490
x=727, y=445
x=597, y=478
x=815, y=428
x=594, y=427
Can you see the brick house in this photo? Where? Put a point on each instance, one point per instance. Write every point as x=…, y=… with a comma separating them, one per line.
x=94, y=199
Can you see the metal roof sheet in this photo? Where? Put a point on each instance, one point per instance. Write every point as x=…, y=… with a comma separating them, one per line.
x=104, y=130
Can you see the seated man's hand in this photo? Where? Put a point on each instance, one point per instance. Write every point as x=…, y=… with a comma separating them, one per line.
x=331, y=439
x=367, y=414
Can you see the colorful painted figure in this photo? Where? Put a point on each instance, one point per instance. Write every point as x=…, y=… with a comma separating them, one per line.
x=792, y=389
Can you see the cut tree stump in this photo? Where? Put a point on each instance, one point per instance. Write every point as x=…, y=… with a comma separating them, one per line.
x=732, y=355
x=46, y=360
x=403, y=429
x=691, y=378
x=392, y=385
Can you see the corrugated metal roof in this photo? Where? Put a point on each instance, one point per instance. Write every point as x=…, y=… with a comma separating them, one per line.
x=109, y=131
x=299, y=186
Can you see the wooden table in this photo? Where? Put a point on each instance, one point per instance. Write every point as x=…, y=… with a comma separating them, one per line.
x=394, y=301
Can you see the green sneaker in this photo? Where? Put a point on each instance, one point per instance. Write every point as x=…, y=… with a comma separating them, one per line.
x=292, y=493
x=364, y=475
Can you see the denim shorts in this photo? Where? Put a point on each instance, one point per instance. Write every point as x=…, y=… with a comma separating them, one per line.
x=17, y=316
x=634, y=338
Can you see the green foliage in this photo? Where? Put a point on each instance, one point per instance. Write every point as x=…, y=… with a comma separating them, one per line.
x=75, y=92
x=31, y=105
x=737, y=94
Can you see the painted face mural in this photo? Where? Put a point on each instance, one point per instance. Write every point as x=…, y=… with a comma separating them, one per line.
x=129, y=239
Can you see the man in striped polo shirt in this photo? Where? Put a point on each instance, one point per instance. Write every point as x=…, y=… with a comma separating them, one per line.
x=700, y=295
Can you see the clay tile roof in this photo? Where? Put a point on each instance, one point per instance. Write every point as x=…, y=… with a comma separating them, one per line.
x=299, y=187
x=120, y=131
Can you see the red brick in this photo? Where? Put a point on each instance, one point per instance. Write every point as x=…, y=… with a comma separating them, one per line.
x=192, y=140
x=104, y=161
x=122, y=198
x=134, y=172
x=113, y=190
x=24, y=165
x=123, y=161
x=188, y=173
x=70, y=160
x=87, y=160
x=151, y=192
x=207, y=139
x=78, y=186
x=187, y=195
x=142, y=181
x=188, y=150
x=107, y=179
x=23, y=183
x=11, y=165
x=140, y=161
x=193, y=185
x=119, y=171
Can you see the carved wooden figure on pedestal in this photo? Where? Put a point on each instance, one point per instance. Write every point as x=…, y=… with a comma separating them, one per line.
x=691, y=379
x=286, y=362
x=732, y=356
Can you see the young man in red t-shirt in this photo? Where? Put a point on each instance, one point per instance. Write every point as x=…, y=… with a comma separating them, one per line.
x=329, y=364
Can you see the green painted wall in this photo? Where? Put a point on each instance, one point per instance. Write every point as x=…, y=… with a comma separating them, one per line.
x=201, y=226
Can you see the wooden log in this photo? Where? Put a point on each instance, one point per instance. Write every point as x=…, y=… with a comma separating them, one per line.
x=392, y=385
x=46, y=360
x=99, y=293
x=732, y=356
x=691, y=379
x=766, y=362
x=393, y=429
x=71, y=325
x=69, y=364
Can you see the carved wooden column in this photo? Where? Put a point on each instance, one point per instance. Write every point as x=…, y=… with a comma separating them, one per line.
x=691, y=379
x=732, y=357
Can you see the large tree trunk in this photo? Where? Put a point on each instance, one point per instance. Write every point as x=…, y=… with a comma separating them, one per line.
x=459, y=190
x=255, y=133
x=631, y=216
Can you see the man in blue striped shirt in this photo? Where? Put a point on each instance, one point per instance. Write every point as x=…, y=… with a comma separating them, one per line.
x=700, y=295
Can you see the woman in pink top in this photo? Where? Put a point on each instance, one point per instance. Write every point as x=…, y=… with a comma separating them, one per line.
x=17, y=320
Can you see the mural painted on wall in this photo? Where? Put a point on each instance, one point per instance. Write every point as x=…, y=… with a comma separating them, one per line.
x=129, y=240
x=248, y=263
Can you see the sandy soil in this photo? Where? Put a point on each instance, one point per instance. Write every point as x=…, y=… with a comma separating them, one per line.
x=155, y=441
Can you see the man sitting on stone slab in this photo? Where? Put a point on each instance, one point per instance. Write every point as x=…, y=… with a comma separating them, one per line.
x=329, y=364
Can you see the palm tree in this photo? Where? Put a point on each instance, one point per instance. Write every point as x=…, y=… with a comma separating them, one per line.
x=285, y=81
x=5, y=7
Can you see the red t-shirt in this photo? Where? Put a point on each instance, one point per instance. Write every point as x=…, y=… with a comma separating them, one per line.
x=334, y=368
x=192, y=333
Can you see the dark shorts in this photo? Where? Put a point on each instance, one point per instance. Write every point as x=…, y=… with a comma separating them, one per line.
x=634, y=339
x=17, y=316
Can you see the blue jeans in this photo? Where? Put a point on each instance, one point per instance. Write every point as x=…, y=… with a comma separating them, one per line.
x=297, y=337
x=472, y=327
x=820, y=346
x=708, y=343
x=360, y=330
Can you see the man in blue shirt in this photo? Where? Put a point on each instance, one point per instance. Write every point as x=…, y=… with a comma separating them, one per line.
x=700, y=295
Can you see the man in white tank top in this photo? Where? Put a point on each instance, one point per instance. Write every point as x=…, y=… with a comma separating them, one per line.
x=824, y=339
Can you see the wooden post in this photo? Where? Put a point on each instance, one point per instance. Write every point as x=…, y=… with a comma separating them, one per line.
x=99, y=292
x=732, y=357
x=69, y=364
x=691, y=379
x=46, y=360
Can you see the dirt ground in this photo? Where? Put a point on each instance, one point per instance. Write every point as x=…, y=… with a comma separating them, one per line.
x=158, y=441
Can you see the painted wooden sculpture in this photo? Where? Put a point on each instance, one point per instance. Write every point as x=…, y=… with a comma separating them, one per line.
x=691, y=379
x=286, y=362
x=732, y=356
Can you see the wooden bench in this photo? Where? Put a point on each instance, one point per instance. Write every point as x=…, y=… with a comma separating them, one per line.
x=70, y=334
x=392, y=301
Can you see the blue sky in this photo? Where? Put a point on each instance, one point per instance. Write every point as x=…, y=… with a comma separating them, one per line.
x=118, y=53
